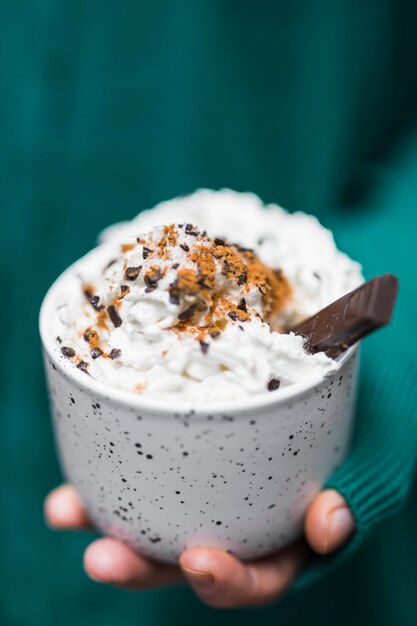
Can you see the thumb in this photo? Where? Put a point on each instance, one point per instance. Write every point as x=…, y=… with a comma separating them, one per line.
x=329, y=522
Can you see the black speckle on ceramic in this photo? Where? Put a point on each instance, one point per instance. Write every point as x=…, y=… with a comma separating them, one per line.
x=240, y=480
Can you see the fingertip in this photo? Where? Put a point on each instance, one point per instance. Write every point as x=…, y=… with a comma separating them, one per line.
x=102, y=561
x=215, y=576
x=110, y=561
x=222, y=581
x=63, y=509
x=200, y=558
x=329, y=522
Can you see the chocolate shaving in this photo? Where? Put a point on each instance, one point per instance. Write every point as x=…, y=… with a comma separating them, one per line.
x=219, y=242
x=233, y=316
x=95, y=353
x=132, y=273
x=152, y=277
x=242, y=248
x=242, y=305
x=185, y=247
x=114, y=316
x=146, y=252
x=174, y=294
x=89, y=334
x=204, y=346
x=124, y=290
x=187, y=313
x=83, y=366
x=273, y=384
x=242, y=279
x=226, y=269
x=115, y=353
x=68, y=352
x=94, y=301
x=190, y=229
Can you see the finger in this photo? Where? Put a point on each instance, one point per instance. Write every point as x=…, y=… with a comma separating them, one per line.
x=329, y=522
x=64, y=511
x=110, y=561
x=222, y=581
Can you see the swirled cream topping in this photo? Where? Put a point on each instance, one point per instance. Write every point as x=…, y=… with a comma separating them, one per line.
x=181, y=313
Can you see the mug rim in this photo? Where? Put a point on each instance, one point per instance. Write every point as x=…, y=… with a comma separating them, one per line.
x=138, y=402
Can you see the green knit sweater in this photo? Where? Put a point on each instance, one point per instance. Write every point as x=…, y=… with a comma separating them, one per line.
x=107, y=108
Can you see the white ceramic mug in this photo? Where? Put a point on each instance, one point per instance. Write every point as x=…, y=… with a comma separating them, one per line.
x=162, y=478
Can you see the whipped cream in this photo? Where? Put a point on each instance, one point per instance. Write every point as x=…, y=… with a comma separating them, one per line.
x=191, y=299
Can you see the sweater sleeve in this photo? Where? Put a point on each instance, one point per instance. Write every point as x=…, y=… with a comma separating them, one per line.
x=381, y=231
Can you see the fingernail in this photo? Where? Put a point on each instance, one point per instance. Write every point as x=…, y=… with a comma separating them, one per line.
x=340, y=526
x=201, y=581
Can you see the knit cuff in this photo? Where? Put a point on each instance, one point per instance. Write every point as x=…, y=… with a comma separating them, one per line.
x=376, y=477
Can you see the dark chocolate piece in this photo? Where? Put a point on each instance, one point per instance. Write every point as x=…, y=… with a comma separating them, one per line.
x=174, y=294
x=89, y=334
x=115, y=353
x=132, y=273
x=274, y=384
x=68, y=352
x=94, y=301
x=242, y=305
x=114, y=316
x=204, y=346
x=226, y=268
x=242, y=279
x=83, y=366
x=95, y=353
x=187, y=313
x=124, y=290
x=351, y=318
x=185, y=247
x=190, y=229
x=152, y=277
x=146, y=252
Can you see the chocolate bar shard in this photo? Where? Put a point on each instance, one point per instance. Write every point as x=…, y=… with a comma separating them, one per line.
x=351, y=318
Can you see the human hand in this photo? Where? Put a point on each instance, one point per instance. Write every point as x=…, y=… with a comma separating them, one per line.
x=218, y=578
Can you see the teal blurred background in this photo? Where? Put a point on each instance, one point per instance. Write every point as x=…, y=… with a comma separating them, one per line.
x=109, y=107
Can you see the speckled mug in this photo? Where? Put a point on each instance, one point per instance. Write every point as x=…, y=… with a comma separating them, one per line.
x=163, y=478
